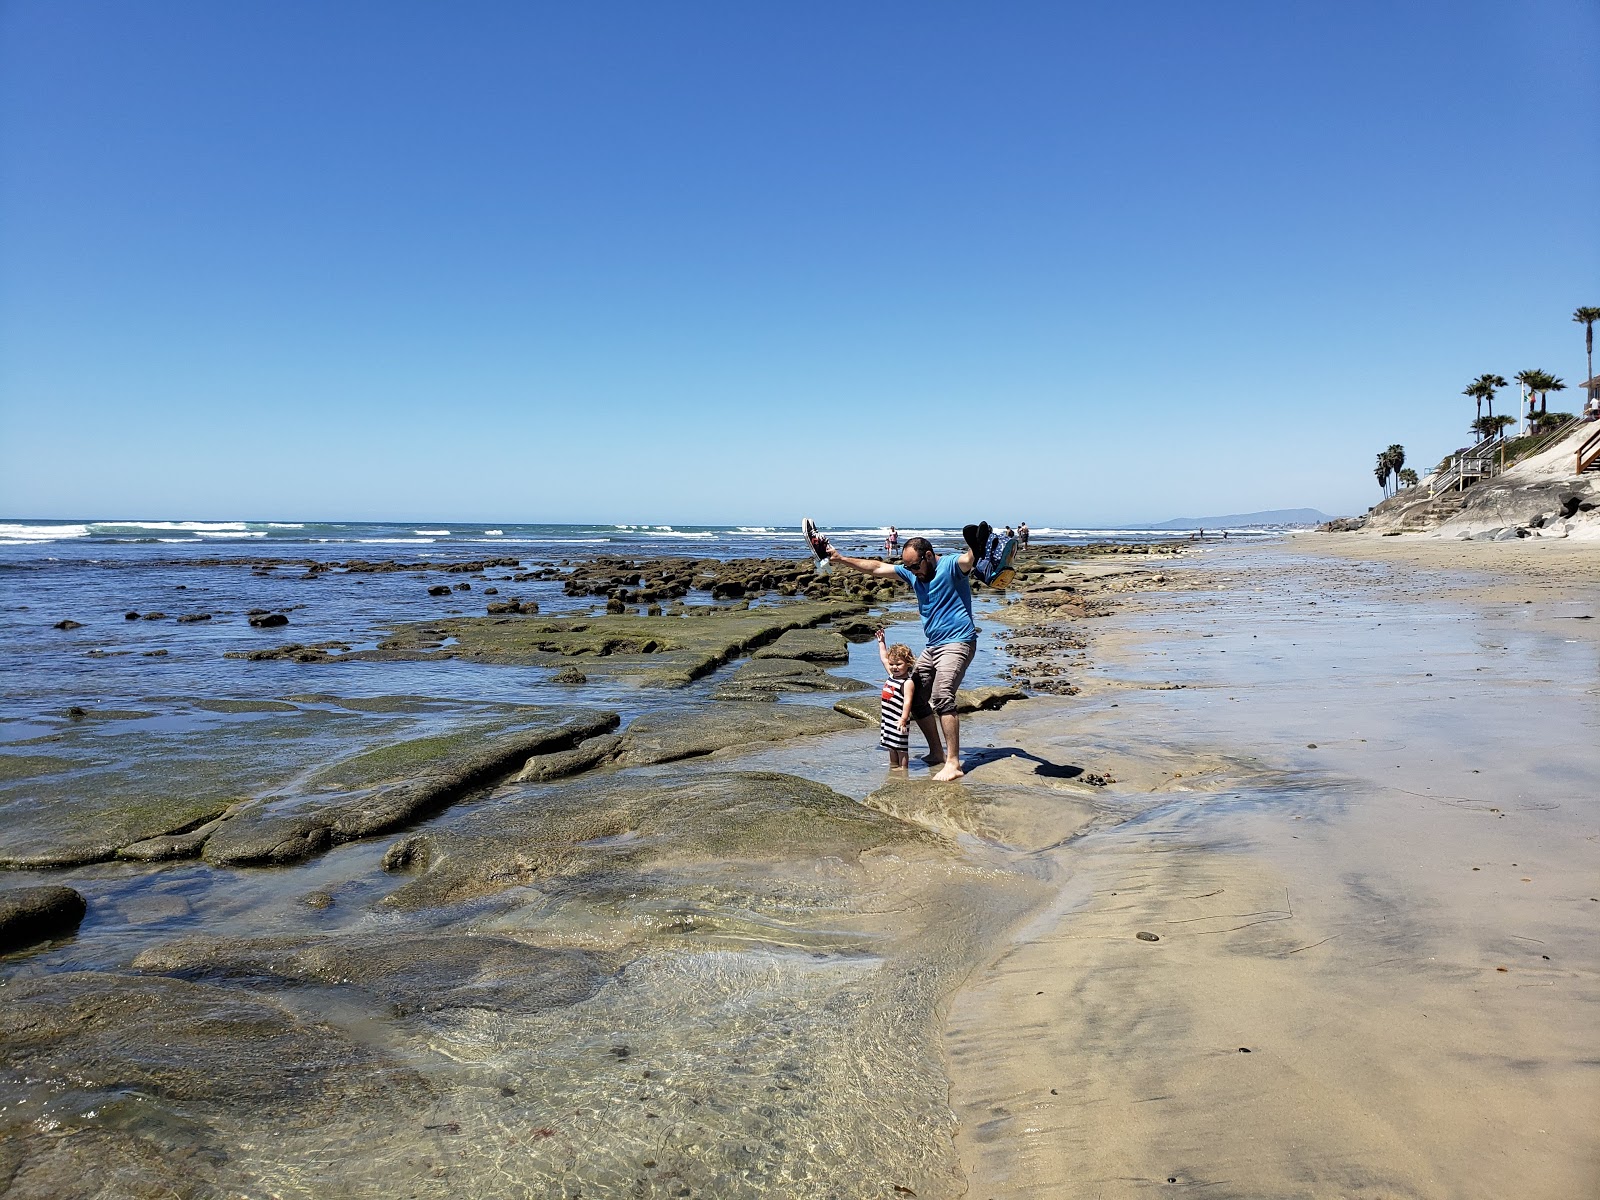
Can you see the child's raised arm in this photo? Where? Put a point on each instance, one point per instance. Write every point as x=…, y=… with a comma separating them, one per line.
x=883, y=653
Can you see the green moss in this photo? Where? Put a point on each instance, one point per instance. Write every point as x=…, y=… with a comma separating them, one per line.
x=244, y=706
x=27, y=766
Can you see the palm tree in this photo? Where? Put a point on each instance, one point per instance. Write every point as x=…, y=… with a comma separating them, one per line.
x=1540, y=383
x=1586, y=317
x=1476, y=390
x=1490, y=385
x=1381, y=471
x=1408, y=477
x=1396, y=454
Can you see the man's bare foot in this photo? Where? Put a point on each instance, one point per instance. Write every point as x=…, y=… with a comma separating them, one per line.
x=952, y=770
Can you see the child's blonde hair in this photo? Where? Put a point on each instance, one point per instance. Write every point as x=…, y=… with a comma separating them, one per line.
x=901, y=656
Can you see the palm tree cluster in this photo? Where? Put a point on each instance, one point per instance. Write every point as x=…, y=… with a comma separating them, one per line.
x=1537, y=384
x=1390, y=464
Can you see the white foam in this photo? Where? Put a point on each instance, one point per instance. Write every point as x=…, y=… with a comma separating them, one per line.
x=431, y=532
x=23, y=534
x=495, y=532
x=284, y=525
x=230, y=533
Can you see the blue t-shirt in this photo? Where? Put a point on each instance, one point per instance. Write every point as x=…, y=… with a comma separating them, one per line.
x=945, y=602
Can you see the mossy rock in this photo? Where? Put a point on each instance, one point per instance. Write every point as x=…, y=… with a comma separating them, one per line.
x=766, y=678
x=607, y=825
x=807, y=645
x=387, y=788
x=665, y=651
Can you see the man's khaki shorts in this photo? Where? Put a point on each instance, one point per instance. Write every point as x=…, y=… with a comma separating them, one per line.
x=938, y=673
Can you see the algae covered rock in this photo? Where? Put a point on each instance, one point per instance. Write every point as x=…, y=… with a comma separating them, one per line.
x=661, y=651
x=808, y=645
x=665, y=737
x=765, y=678
x=384, y=789
x=609, y=823
x=35, y=914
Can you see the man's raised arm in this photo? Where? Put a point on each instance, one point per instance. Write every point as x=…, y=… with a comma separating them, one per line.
x=867, y=566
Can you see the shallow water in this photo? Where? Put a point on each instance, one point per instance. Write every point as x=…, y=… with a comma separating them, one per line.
x=752, y=998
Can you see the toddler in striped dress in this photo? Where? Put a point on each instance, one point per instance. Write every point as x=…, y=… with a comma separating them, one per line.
x=894, y=707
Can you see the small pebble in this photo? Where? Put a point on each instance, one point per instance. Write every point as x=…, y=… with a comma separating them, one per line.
x=1146, y=937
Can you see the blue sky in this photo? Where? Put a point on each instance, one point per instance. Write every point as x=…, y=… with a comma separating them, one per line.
x=1075, y=263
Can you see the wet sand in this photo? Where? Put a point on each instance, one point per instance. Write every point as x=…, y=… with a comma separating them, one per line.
x=1373, y=890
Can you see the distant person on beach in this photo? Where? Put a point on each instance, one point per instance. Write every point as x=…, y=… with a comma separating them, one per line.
x=944, y=598
x=894, y=702
x=1022, y=533
x=891, y=544
x=1010, y=532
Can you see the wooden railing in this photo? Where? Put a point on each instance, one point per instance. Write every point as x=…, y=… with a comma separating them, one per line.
x=1589, y=452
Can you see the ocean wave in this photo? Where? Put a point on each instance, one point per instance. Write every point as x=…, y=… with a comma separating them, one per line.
x=284, y=525
x=189, y=526
x=431, y=532
x=25, y=534
x=230, y=533
x=495, y=532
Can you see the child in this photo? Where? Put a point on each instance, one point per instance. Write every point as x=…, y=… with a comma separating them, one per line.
x=894, y=706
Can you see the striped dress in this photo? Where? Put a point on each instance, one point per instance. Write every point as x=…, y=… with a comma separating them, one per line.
x=892, y=702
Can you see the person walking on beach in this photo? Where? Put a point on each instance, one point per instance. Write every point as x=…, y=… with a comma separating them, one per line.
x=944, y=598
x=1022, y=533
x=891, y=544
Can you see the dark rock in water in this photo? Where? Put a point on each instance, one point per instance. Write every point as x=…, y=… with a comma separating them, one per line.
x=439, y=589
x=35, y=914
x=130, y=616
x=270, y=620
x=858, y=630
x=616, y=607
x=386, y=789
x=463, y=587
x=515, y=605
x=569, y=675
x=579, y=828
x=191, y=618
x=808, y=645
x=155, y=616
x=69, y=623
x=77, y=712
x=491, y=591
x=154, y=654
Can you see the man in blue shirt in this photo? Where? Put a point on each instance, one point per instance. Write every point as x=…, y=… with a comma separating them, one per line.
x=944, y=599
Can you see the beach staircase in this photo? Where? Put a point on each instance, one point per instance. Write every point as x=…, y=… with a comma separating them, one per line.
x=1431, y=513
x=1483, y=461
x=1589, y=453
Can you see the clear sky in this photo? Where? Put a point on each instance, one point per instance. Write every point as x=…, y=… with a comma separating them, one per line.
x=702, y=262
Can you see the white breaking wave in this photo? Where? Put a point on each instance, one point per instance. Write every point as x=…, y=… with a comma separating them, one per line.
x=755, y=529
x=230, y=533
x=23, y=534
x=431, y=532
x=495, y=532
x=284, y=525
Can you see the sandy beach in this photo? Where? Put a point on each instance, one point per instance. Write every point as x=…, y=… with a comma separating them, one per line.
x=1355, y=954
